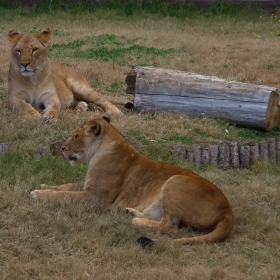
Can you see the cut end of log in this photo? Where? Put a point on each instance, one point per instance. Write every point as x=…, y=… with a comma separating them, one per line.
x=273, y=110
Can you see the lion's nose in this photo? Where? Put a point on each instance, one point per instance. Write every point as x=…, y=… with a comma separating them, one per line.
x=63, y=149
x=25, y=64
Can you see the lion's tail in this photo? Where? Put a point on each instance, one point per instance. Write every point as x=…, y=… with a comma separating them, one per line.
x=127, y=103
x=220, y=232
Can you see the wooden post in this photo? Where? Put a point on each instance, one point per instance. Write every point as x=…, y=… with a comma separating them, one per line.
x=196, y=155
x=244, y=152
x=190, y=157
x=254, y=151
x=272, y=149
x=233, y=155
x=205, y=157
x=224, y=156
x=263, y=150
x=197, y=95
x=213, y=154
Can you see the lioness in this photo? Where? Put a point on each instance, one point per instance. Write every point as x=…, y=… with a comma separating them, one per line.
x=36, y=83
x=157, y=194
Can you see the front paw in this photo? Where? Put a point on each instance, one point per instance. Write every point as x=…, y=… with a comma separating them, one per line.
x=50, y=116
x=45, y=187
x=41, y=194
x=113, y=111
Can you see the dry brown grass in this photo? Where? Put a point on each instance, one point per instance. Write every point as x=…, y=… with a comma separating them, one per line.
x=46, y=241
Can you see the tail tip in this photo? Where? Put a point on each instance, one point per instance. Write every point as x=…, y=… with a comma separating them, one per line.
x=129, y=105
x=145, y=241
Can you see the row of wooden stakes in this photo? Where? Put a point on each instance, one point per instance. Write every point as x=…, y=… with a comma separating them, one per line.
x=231, y=155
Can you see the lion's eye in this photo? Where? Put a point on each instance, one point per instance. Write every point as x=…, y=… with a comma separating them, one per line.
x=34, y=50
x=74, y=137
x=19, y=52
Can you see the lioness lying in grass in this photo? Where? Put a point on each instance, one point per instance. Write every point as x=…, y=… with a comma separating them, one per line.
x=35, y=83
x=157, y=194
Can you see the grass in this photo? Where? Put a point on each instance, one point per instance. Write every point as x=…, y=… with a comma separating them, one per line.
x=108, y=47
x=44, y=240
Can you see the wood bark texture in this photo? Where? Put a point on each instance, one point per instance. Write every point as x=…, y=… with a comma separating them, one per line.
x=180, y=92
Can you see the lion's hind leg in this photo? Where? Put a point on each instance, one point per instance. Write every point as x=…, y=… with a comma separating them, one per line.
x=157, y=215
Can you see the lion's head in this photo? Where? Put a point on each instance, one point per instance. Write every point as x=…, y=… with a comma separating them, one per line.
x=84, y=142
x=29, y=51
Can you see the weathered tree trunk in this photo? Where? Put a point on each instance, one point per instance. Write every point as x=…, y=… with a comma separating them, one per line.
x=203, y=96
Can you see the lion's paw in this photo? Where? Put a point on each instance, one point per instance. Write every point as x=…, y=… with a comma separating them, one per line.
x=40, y=194
x=133, y=212
x=45, y=187
x=114, y=111
x=81, y=106
x=49, y=119
x=34, y=194
x=130, y=212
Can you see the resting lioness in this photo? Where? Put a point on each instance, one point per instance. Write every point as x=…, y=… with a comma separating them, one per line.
x=35, y=83
x=158, y=195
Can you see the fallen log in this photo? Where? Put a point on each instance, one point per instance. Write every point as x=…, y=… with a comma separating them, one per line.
x=204, y=96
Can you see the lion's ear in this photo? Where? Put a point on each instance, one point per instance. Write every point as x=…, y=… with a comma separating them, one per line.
x=93, y=128
x=107, y=119
x=45, y=36
x=13, y=36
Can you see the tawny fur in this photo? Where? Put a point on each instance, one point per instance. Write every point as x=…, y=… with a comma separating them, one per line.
x=35, y=83
x=158, y=195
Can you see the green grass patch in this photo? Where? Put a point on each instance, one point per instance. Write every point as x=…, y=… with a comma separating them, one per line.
x=249, y=133
x=46, y=170
x=181, y=139
x=123, y=56
x=109, y=47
